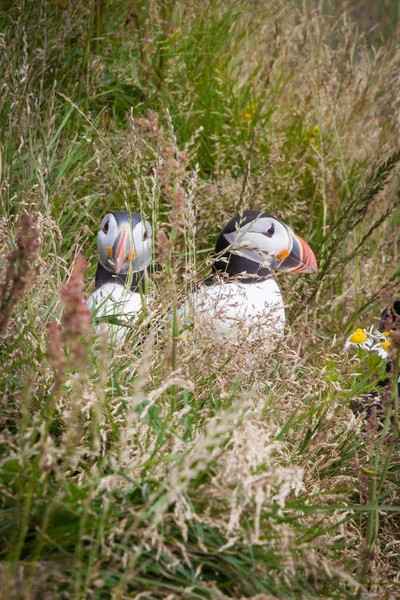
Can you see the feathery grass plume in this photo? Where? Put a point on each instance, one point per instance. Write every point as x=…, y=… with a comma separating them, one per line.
x=171, y=173
x=19, y=272
x=332, y=259
x=358, y=207
x=55, y=352
x=164, y=247
x=76, y=316
x=75, y=326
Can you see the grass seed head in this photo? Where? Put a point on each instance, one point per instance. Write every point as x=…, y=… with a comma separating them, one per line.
x=76, y=316
x=19, y=273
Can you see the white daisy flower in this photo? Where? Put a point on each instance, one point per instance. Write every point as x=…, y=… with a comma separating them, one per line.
x=372, y=340
x=361, y=339
x=382, y=347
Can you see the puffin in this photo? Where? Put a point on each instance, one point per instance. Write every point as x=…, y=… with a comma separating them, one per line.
x=375, y=403
x=124, y=257
x=390, y=322
x=242, y=297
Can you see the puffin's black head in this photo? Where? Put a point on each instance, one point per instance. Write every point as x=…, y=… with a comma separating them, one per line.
x=257, y=243
x=123, y=243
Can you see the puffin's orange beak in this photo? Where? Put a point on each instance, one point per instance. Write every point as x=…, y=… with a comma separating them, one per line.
x=119, y=250
x=301, y=259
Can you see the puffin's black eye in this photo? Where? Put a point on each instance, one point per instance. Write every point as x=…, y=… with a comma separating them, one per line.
x=270, y=231
x=145, y=235
x=105, y=227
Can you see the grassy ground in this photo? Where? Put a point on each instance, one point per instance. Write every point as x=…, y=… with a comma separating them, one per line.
x=178, y=467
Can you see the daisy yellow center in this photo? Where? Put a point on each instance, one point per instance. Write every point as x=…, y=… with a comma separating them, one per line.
x=386, y=333
x=385, y=345
x=358, y=337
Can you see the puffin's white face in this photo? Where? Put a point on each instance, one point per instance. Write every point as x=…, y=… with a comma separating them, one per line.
x=265, y=241
x=124, y=242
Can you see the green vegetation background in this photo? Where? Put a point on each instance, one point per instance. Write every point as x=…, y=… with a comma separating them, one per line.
x=175, y=467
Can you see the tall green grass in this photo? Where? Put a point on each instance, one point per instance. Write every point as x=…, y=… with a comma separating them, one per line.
x=179, y=466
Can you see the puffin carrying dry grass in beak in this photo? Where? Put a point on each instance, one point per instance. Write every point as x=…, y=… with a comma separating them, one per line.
x=124, y=247
x=242, y=295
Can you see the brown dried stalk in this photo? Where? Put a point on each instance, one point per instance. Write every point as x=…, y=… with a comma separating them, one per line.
x=20, y=268
x=75, y=330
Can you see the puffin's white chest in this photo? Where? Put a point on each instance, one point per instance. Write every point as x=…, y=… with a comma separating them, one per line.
x=113, y=299
x=230, y=309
